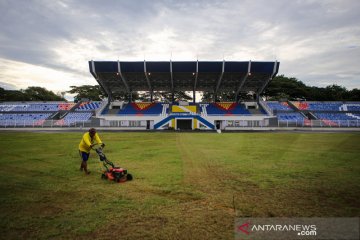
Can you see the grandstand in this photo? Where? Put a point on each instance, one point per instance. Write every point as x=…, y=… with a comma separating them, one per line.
x=46, y=114
x=129, y=77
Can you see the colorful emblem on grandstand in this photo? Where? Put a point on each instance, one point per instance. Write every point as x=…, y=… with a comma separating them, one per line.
x=227, y=106
x=142, y=106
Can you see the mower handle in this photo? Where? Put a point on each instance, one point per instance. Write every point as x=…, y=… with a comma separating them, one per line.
x=102, y=145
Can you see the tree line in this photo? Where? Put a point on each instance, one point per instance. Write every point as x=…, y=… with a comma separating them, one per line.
x=30, y=94
x=280, y=88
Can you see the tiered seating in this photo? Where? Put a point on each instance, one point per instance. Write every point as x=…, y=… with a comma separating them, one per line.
x=8, y=107
x=26, y=119
x=226, y=108
x=338, y=116
x=318, y=106
x=66, y=106
x=351, y=107
x=279, y=106
x=74, y=117
x=142, y=108
x=328, y=106
x=42, y=107
x=35, y=107
x=339, y=119
x=291, y=117
x=88, y=106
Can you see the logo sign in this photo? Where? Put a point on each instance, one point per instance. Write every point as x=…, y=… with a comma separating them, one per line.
x=297, y=228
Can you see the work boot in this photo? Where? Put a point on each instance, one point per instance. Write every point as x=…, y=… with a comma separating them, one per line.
x=85, y=168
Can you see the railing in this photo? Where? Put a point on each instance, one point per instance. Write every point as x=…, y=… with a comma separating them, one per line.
x=320, y=123
x=42, y=123
x=228, y=124
x=266, y=107
x=103, y=105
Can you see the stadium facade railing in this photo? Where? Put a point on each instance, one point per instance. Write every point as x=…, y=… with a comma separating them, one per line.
x=332, y=114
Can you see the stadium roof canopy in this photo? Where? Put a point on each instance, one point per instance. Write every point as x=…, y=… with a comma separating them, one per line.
x=127, y=77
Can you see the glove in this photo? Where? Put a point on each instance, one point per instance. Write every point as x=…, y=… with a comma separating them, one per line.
x=92, y=145
x=103, y=145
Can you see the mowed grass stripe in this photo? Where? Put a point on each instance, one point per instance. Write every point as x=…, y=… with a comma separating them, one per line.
x=186, y=186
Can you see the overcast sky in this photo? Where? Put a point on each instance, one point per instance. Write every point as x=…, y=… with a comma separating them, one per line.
x=48, y=43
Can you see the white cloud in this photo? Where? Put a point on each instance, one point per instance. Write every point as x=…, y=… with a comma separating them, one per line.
x=21, y=75
x=43, y=41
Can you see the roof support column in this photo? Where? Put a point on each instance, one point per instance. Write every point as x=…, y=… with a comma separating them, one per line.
x=123, y=78
x=242, y=81
x=147, y=77
x=98, y=79
x=220, y=78
x=261, y=89
x=92, y=69
x=196, y=78
x=171, y=77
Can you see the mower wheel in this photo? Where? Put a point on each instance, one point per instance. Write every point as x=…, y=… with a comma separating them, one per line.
x=129, y=177
x=103, y=176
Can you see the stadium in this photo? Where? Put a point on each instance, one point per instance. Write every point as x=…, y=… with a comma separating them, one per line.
x=189, y=181
x=188, y=76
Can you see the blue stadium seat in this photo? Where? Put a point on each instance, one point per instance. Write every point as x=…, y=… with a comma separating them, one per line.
x=25, y=119
x=291, y=117
x=74, y=117
x=279, y=106
x=35, y=107
x=88, y=106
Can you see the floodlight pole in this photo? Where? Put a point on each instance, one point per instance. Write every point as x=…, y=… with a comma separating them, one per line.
x=242, y=81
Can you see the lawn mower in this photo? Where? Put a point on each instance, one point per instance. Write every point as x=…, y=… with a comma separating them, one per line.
x=111, y=172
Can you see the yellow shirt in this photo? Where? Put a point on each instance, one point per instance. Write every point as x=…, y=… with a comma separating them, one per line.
x=86, y=141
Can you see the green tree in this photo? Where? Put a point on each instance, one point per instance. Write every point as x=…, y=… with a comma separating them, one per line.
x=123, y=96
x=41, y=94
x=282, y=86
x=228, y=96
x=90, y=92
x=354, y=95
x=2, y=94
x=29, y=94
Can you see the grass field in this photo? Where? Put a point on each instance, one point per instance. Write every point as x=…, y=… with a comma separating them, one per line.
x=186, y=186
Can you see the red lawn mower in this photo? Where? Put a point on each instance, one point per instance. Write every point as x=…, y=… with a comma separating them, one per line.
x=112, y=173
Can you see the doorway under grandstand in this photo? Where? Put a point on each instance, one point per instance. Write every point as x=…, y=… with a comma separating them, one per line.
x=184, y=124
